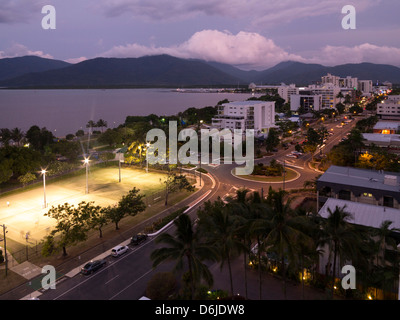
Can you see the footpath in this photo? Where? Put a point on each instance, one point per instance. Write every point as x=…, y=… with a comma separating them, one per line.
x=73, y=265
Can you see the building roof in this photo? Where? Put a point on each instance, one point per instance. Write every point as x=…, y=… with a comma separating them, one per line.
x=394, y=125
x=247, y=103
x=378, y=138
x=361, y=178
x=363, y=214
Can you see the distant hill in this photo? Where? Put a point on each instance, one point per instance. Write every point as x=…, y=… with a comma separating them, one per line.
x=15, y=67
x=304, y=74
x=162, y=70
x=168, y=71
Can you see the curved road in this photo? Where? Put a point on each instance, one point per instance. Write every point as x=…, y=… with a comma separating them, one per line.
x=126, y=277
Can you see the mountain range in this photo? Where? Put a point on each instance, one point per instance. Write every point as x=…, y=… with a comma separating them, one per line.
x=168, y=71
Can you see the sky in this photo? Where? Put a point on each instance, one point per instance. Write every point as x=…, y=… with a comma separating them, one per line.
x=249, y=34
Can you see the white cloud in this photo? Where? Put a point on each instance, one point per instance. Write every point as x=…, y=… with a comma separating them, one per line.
x=253, y=51
x=334, y=55
x=76, y=60
x=19, y=50
x=245, y=49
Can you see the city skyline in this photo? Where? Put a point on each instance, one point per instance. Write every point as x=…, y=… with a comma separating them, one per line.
x=247, y=34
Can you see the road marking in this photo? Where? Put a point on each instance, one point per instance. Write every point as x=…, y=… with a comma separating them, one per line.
x=112, y=279
x=131, y=284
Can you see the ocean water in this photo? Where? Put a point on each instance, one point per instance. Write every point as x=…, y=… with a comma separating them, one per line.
x=67, y=111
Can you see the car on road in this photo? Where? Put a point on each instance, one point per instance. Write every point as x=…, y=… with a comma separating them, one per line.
x=291, y=155
x=119, y=250
x=139, y=238
x=93, y=266
x=297, y=153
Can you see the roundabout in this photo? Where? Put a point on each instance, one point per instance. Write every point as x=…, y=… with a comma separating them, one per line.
x=290, y=176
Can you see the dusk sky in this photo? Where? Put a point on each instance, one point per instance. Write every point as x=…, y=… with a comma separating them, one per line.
x=253, y=34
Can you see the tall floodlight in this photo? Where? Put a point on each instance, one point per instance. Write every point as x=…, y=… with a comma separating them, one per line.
x=87, y=174
x=147, y=160
x=44, y=188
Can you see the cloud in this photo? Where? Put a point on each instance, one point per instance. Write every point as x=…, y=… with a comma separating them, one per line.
x=248, y=50
x=258, y=12
x=334, y=55
x=19, y=11
x=245, y=49
x=76, y=60
x=19, y=50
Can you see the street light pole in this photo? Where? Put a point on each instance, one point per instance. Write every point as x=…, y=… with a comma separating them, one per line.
x=87, y=173
x=119, y=161
x=44, y=188
x=147, y=159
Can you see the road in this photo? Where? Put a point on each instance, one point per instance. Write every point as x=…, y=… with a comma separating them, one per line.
x=126, y=277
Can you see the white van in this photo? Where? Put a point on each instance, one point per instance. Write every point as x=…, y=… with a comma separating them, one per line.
x=118, y=250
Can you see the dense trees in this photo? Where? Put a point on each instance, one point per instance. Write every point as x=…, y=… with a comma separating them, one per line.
x=280, y=239
x=186, y=248
x=74, y=222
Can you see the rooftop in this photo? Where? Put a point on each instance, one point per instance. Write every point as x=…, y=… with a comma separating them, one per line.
x=363, y=214
x=382, y=138
x=247, y=103
x=363, y=178
x=387, y=125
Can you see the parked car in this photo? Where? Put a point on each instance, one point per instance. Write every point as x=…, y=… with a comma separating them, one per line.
x=119, y=250
x=139, y=238
x=92, y=266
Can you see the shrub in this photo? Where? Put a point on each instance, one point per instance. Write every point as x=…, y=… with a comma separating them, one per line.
x=161, y=286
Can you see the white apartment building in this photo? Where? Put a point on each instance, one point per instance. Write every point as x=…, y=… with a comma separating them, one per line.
x=330, y=79
x=257, y=115
x=285, y=92
x=389, y=109
x=309, y=102
x=328, y=92
x=365, y=86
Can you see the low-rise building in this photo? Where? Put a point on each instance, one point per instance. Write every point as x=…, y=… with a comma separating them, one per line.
x=389, y=109
x=387, y=127
x=359, y=185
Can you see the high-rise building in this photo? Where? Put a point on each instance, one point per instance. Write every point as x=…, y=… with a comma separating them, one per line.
x=257, y=115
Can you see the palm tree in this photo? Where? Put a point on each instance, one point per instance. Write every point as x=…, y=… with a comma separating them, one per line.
x=220, y=228
x=101, y=124
x=17, y=135
x=285, y=231
x=5, y=136
x=241, y=213
x=341, y=237
x=185, y=246
x=384, y=241
x=259, y=210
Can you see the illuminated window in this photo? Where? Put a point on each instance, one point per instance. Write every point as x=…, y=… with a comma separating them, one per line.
x=367, y=195
x=385, y=131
